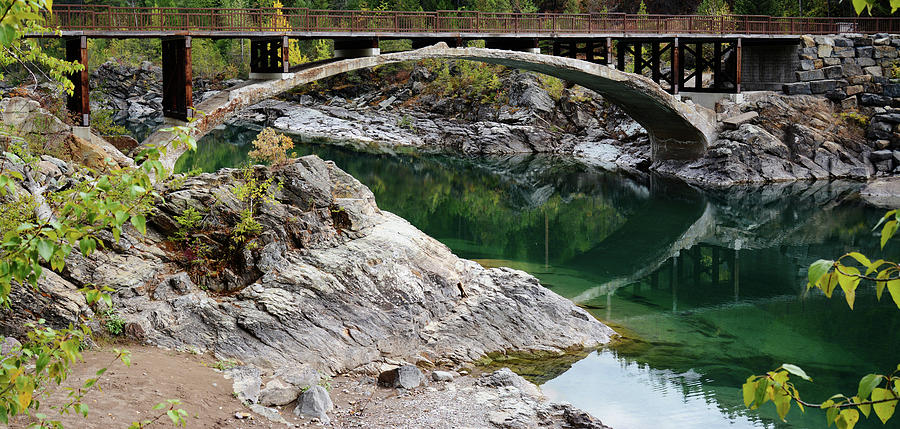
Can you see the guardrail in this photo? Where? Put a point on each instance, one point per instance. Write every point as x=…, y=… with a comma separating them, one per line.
x=142, y=19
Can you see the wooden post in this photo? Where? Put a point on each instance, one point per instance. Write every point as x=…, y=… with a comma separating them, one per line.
x=717, y=64
x=609, y=57
x=737, y=73
x=655, y=61
x=621, y=46
x=698, y=66
x=285, y=54
x=178, y=102
x=677, y=62
x=79, y=103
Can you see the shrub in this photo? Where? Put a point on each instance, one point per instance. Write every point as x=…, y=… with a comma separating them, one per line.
x=270, y=147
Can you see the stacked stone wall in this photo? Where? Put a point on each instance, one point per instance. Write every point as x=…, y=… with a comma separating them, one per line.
x=852, y=70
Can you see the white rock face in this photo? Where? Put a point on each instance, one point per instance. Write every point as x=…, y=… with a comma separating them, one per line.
x=332, y=282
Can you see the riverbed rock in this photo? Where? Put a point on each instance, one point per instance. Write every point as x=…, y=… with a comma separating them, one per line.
x=883, y=193
x=504, y=377
x=405, y=377
x=246, y=381
x=315, y=403
x=278, y=392
x=442, y=376
x=9, y=346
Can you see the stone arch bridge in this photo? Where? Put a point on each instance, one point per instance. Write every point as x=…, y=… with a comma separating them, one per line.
x=677, y=129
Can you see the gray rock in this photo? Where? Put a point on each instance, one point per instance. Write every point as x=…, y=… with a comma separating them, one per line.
x=865, y=51
x=505, y=377
x=270, y=414
x=833, y=72
x=797, y=88
x=246, y=381
x=442, y=376
x=736, y=121
x=406, y=377
x=881, y=155
x=809, y=75
x=278, y=392
x=852, y=70
x=315, y=403
x=873, y=70
x=822, y=86
x=867, y=99
x=10, y=346
x=842, y=41
x=865, y=62
x=883, y=193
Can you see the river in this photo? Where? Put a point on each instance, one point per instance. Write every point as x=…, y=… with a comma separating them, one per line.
x=707, y=287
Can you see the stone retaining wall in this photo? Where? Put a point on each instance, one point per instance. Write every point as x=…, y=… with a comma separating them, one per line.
x=851, y=70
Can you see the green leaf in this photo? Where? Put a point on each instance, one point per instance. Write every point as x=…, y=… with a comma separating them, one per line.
x=893, y=287
x=140, y=223
x=847, y=419
x=828, y=283
x=817, y=270
x=884, y=410
x=866, y=384
x=847, y=277
x=83, y=409
x=890, y=227
x=831, y=414
x=782, y=403
x=796, y=370
x=159, y=406
x=87, y=245
x=895, y=4
x=749, y=388
x=760, y=395
x=862, y=259
x=45, y=248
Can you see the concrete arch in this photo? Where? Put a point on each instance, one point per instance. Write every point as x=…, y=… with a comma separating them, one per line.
x=677, y=130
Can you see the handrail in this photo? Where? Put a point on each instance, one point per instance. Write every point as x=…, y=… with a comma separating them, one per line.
x=142, y=19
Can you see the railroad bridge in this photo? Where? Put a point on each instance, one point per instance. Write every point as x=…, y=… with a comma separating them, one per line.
x=675, y=54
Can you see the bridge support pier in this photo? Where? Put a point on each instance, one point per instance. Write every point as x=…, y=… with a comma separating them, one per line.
x=79, y=102
x=269, y=58
x=355, y=48
x=178, y=101
x=523, y=44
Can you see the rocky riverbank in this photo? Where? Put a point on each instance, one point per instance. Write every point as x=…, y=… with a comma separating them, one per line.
x=328, y=284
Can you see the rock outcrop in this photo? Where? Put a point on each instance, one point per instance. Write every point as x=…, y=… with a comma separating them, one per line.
x=331, y=282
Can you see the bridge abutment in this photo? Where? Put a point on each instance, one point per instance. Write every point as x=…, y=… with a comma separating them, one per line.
x=178, y=100
x=269, y=58
x=356, y=48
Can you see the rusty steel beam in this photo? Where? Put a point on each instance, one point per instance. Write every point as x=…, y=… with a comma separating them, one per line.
x=79, y=103
x=178, y=99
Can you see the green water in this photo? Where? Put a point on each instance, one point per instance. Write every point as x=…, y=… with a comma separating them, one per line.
x=708, y=287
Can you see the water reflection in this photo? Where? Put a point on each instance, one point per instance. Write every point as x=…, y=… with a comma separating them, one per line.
x=709, y=287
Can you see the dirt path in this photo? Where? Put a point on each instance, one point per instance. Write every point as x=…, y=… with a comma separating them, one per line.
x=129, y=393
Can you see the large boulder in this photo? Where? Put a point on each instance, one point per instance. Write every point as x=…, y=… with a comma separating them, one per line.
x=332, y=282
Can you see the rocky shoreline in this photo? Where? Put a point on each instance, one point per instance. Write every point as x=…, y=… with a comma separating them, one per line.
x=331, y=285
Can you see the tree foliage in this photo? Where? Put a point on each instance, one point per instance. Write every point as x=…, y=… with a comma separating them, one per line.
x=878, y=393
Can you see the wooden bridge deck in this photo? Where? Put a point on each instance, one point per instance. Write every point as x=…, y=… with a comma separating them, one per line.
x=109, y=21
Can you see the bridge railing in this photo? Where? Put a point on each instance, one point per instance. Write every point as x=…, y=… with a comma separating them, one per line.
x=141, y=19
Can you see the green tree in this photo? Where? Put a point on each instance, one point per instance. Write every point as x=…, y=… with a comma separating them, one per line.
x=61, y=224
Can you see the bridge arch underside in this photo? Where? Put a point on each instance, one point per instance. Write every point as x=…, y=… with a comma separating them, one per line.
x=677, y=130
